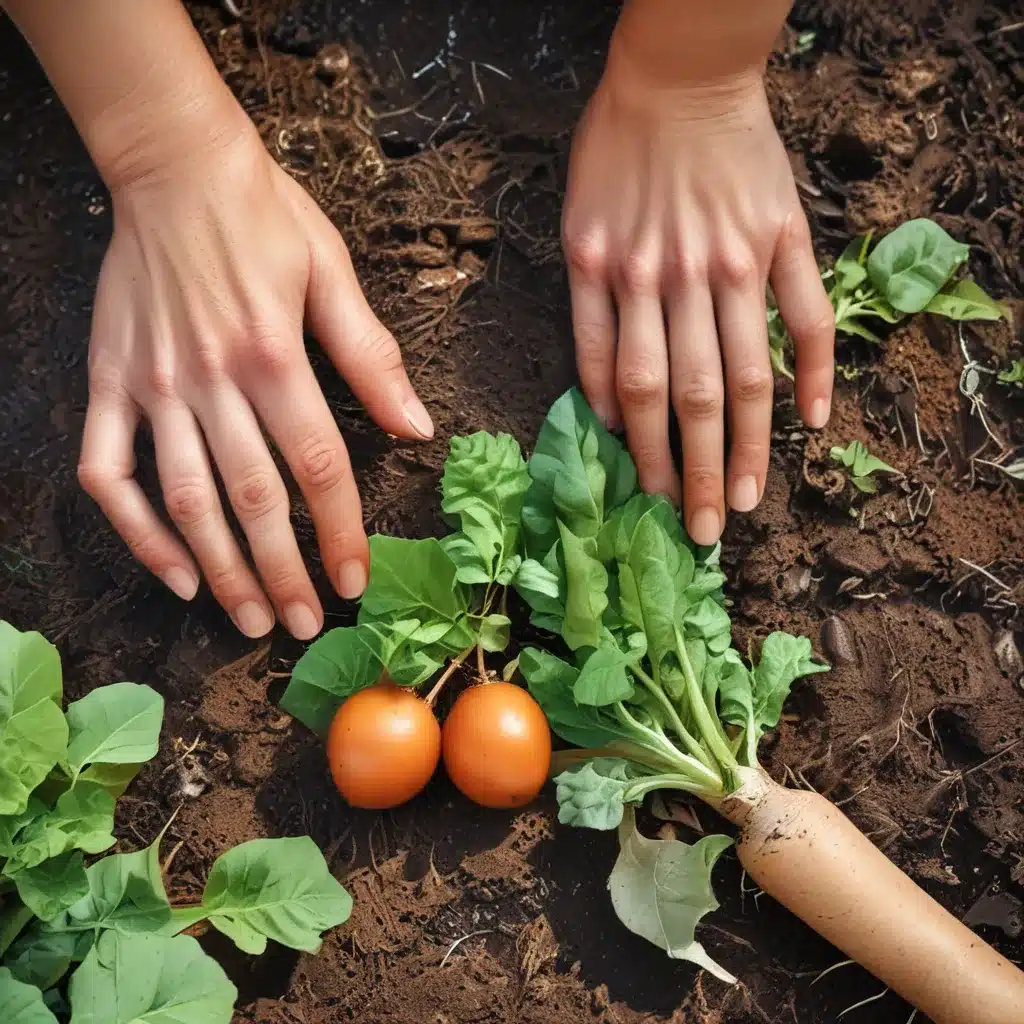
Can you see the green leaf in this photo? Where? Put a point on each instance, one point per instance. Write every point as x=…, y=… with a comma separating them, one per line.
x=83, y=819
x=579, y=472
x=338, y=664
x=859, y=460
x=494, y=632
x=272, y=888
x=53, y=885
x=115, y=724
x=911, y=264
x=29, y=671
x=32, y=741
x=603, y=679
x=551, y=681
x=485, y=479
x=126, y=894
x=784, y=658
x=114, y=778
x=21, y=1003
x=849, y=270
x=42, y=958
x=661, y=888
x=541, y=589
x=150, y=979
x=1013, y=375
x=586, y=584
x=964, y=300
x=470, y=567
x=411, y=579
x=592, y=796
x=848, y=325
x=654, y=564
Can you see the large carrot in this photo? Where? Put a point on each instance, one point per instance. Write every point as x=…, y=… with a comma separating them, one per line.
x=803, y=851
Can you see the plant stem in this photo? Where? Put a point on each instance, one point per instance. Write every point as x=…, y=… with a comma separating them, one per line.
x=481, y=668
x=677, y=723
x=453, y=666
x=642, y=787
x=708, y=726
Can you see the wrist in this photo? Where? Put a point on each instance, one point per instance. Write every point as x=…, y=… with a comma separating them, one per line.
x=138, y=140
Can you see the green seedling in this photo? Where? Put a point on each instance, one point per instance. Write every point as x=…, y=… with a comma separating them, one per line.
x=1014, y=374
x=911, y=270
x=861, y=466
x=105, y=933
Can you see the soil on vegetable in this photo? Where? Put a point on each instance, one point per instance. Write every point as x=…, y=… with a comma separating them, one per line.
x=436, y=138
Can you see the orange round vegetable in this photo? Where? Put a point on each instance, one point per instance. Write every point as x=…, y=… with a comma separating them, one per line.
x=497, y=745
x=383, y=746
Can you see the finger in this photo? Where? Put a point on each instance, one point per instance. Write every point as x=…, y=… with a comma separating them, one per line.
x=298, y=418
x=260, y=502
x=643, y=391
x=808, y=315
x=741, y=317
x=698, y=398
x=594, y=328
x=190, y=494
x=105, y=471
x=360, y=346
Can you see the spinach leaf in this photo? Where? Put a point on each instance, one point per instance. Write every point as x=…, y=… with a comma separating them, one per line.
x=32, y=741
x=42, y=958
x=579, y=473
x=21, y=1003
x=115, y=724
x=661, y=888
x=592, y=796
x=335, y=666
x=964, y=300
x=83, y=819
x=784, y=658
x=412, y=579
x=485, y=479
x=603, y=679
x=279, y=889
x=494, y=632
x=586, y=586
x=541, y=588
x=911, y=264
x=150, y=979
x=29, y=671
x=849, y=270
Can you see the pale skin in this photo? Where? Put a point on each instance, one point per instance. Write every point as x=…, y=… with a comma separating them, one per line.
x=680, y=208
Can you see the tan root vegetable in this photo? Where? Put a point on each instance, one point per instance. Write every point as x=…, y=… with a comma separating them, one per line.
x=805, y=853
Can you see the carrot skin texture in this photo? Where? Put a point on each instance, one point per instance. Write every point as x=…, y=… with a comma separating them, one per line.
x=805, y=853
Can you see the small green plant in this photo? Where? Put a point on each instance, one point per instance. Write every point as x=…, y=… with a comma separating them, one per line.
x=861, y=466
x=911, y=270
x=101, y=942
x=1014, y=374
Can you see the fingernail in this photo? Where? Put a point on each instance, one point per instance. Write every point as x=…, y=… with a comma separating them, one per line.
x=705, y=526
x=351, y=579
x=820, y=409
x=181, y=581
x=419, y=419
x=253, y=619
x=744, y=494
x=301, y=622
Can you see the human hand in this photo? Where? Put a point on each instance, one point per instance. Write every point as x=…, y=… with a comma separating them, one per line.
x=681, y=206
x=213, y=266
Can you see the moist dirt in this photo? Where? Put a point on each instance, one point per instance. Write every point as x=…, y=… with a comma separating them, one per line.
x=436, y=138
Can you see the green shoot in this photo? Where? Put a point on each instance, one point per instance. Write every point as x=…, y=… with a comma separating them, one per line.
x=861, y=466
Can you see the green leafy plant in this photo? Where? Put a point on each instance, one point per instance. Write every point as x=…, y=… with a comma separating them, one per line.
x=910, y=270
x=1014, y=374
x=861, y=466
x=429, y=602
x=101, y=942
x=652, y=690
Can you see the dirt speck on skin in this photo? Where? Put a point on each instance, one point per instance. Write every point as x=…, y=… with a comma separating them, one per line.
x=447, y=189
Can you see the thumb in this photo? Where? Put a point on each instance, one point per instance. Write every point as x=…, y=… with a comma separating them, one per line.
x=360, y=346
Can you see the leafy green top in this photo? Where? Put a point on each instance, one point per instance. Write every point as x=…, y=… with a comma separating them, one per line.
x=862, y=465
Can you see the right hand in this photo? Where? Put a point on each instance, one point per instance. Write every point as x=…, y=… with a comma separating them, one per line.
x=214, y=265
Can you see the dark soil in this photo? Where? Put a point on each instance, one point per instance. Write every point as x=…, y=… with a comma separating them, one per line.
x=451, y=211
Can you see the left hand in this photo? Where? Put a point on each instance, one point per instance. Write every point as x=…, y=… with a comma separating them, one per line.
x=681, y=206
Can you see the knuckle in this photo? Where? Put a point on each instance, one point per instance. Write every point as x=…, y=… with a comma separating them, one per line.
x=93, y=478
x=227, y=583
x=255, y=495
x=640, y=274
x=700, y=397
x=641, y=385
x=587, y=253
x=819, y=326
x=271, y=352
x=752, y=384
x=161, y=382
x=284, y=582
x=149, y=550
x=320, y=464
x=737, y=267
x=210, y=362
x=747, y=452
x=188, y=502
x=380, y=348
x=686, y=268
x=702, y=479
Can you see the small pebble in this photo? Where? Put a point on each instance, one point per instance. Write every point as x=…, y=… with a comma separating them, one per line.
x=837, y=641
